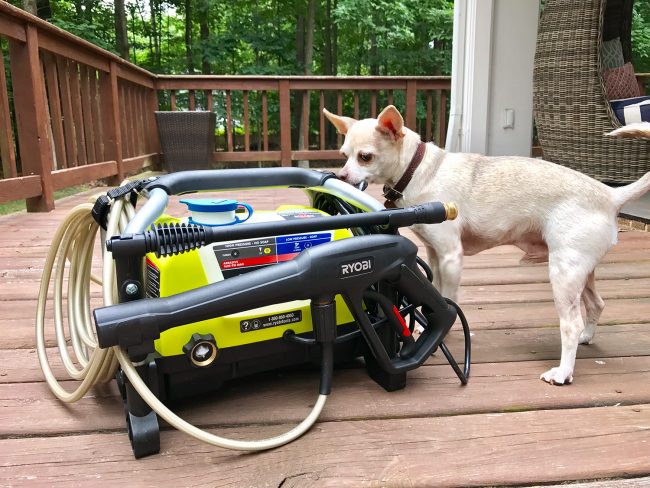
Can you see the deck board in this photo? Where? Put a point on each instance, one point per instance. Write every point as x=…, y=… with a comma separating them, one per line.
x=432, y=391
x=466, y=450
x=505, y=427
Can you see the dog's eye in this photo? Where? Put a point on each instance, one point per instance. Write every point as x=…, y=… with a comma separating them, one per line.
x=365, y=157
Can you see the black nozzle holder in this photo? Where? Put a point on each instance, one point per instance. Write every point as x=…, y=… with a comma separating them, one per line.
x=174, y=239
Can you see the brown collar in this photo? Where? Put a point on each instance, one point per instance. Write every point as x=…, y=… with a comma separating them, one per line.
x=391, y=194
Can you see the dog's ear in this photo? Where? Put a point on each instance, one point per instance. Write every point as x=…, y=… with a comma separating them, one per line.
x=341, y=123
x=391, y=123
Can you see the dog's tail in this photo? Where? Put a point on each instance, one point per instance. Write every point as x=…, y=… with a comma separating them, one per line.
x=624, y=194
x=637, y=129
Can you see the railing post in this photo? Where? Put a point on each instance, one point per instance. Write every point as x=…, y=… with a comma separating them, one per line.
x=285, y=123
x=111, y=121
x=31, y=117
x=411, y=105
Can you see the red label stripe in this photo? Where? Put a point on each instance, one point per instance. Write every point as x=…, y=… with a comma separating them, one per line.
x=242, y=263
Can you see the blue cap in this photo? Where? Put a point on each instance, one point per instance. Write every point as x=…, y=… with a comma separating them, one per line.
x=210, y=205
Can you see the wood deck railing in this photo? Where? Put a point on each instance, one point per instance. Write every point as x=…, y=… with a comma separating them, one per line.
x=70, y=111
x=255, y=112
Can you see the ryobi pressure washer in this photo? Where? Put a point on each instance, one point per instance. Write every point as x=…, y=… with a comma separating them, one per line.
x=210, y=299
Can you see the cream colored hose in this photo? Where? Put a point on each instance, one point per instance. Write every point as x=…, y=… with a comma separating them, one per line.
x=72, y=249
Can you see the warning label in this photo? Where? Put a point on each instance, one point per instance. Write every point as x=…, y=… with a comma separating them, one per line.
x=265, y=322
x=243, y=256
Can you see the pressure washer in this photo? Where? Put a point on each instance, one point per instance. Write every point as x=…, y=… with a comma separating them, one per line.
x=190, y=303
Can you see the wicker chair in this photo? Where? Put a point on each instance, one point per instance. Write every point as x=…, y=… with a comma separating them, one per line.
x=572, y=113
x=186, y=139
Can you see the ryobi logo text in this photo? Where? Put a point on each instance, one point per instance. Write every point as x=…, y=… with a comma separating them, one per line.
x=356, y=268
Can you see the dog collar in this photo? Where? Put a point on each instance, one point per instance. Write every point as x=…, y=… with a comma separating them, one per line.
x=391, y=194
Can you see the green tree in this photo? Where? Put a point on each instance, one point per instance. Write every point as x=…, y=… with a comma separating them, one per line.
x=641, y=37
x=388, y=37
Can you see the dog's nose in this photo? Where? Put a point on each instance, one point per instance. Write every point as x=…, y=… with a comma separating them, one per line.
x=343, y=175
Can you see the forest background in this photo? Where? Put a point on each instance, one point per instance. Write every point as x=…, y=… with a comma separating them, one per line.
x=280, y=37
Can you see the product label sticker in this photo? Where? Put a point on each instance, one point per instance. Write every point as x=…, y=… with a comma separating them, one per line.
x=290, y=246
x=257, y=323
x=239, y=257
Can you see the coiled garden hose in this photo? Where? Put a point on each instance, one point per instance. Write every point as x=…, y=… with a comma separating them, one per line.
x=72, y=249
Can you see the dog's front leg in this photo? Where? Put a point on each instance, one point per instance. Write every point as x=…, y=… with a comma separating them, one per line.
x=432, y=259
x=445, y=253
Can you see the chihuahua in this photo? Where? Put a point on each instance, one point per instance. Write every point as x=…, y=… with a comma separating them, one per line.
x=552, y=213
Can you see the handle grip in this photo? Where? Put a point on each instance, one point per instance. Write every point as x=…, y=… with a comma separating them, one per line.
x=427, y=213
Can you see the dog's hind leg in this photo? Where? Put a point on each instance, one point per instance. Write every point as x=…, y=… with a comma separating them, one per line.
x=594, y=305
x=568, y=275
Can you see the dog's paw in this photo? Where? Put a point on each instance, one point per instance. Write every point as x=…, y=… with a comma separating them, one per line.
x=556, y=376
x=586, y=338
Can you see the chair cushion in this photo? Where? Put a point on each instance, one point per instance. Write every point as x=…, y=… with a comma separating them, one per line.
x=611, y=54
x=621, y=82
x=632, y=110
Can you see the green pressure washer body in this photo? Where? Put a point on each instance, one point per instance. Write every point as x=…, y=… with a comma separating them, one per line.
x=219, y=296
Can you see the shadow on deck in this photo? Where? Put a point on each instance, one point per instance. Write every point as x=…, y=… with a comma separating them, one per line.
x=505, y=427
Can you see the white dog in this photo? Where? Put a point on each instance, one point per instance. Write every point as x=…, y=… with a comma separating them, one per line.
x=551, y=212
x=637, y=129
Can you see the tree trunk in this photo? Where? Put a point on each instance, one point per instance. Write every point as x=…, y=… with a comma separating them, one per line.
x=88, y=10
x=330, y=68
x=309, y=57
x=188, y=36
x=205, y=35
x=300, y=42
x=296, y=103
x=361, y=52
x=374, y=62
x=153, y=32
x=335, y=46
x=134, y=58
x=327, y=51
x=78, y=9
x=204, y=30
x=309, y=36
x=121, y=38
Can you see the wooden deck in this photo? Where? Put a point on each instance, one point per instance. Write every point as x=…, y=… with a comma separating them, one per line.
x=505, y=428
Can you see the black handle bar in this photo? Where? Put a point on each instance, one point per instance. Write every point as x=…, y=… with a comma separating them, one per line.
x=233, y=179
